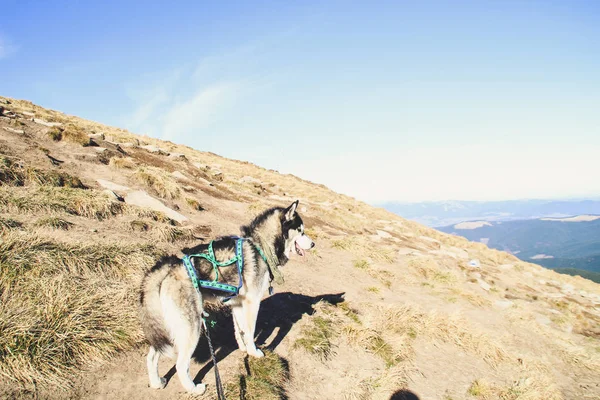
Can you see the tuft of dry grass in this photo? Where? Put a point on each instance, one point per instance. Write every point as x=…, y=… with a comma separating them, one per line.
x=535, y=387
x=70, y=133
x=173, y=234
x=428, y=268
x=361, y=248
x=158, y=181
x=54, y=223
x=64, y=306
x=9, y=223
x=16, y=173
x=405, y=320
x=316, y=337
x=261, y=379
x=85, y=203
x=122, y=162
x=194, y=204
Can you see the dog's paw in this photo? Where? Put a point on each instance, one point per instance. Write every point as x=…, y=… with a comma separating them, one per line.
x=160, y=384
x=256, y=353
x=200, y=388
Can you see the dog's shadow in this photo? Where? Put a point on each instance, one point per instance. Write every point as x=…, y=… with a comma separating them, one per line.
x=278, y=312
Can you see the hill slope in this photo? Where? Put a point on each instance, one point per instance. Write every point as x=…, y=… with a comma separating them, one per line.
x=414, y=316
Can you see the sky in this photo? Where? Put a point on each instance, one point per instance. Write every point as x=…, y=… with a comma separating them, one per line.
x=384, y=101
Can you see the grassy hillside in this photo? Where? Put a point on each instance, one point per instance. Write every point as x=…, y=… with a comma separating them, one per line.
x=382, y=305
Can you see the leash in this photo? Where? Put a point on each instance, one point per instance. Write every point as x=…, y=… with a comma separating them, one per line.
x=218, y=384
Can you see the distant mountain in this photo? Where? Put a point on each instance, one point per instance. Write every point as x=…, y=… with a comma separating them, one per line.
x=556, y=243
x=445, y=213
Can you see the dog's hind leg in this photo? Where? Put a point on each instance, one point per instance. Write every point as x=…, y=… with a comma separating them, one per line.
x=185, y=350
x=156, y=382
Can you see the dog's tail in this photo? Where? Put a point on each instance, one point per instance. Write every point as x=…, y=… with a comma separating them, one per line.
x=150, y=308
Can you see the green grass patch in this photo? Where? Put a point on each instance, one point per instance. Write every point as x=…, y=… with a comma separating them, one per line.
x=316, y=337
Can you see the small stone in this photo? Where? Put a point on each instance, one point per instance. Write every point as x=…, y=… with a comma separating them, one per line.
x=18, y=131
x=100, y=149
x=474, y=263
x=143, y=199
x=503, y=304
x=484, y=285
x=96, y=136
x=46, y=123
x=28, y=113
x=112, y=186
x=476, y=275
x=383, y=234
x=177, y=155
x=179, y=175
x=200, y=166
x=154, y=149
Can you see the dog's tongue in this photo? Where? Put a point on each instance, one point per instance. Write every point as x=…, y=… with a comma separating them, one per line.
x=299, y=250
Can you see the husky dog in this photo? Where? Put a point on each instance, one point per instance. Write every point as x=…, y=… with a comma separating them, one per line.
x=171, y=308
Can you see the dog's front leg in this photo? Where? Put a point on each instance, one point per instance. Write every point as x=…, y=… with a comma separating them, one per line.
x=239, y=324
x=250, y=307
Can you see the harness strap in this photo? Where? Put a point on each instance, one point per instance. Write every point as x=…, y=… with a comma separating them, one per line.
x=210, y=257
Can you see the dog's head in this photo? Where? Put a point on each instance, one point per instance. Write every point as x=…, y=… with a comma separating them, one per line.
x=296, y=241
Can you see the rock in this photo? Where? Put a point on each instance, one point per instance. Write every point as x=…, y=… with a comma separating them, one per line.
x=142, y=199
x=383, y=234
x=543, y=320
x=100, y=149
x=249, y=179
x=46, y=123
x=179, y=175
x=18, y=131
x=583, y=293
x=503, y=304
x=431, y=242
x=506, y=266
x=114, y=147
x=568, y=288
x=218, y=176
x=112, y=195
x=127, y=144
x=177, y=155
x=154, y=149
x=28, y=113
x=528, y=274
x=112, y=186
x=476, y=275
x=200, y=165
x=542, y=282
x=474, y=263
x=216, y=166
x=96, y=136
x=484, y=285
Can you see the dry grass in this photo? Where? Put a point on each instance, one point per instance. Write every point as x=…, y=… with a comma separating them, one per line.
x=380, y=387
x=316, y=337
x=54, y=223
x=194, y=204
x=16, y=173
x=360, y=247
x=172, y=234
x=122, y=163
x=70, y=133
x=535, y=387
x=64, y=306
x=428, y=268
x=85, y=203
x=158, y=181
x=261, y=379
x=9, y=223
x=405, y=320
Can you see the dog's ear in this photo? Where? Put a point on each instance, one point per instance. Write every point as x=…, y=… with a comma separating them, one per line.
x=290, y=211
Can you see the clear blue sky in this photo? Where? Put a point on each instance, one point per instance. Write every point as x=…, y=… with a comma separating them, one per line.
x=398, y=100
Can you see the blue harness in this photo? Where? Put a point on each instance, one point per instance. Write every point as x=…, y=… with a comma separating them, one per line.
x=210, y=257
